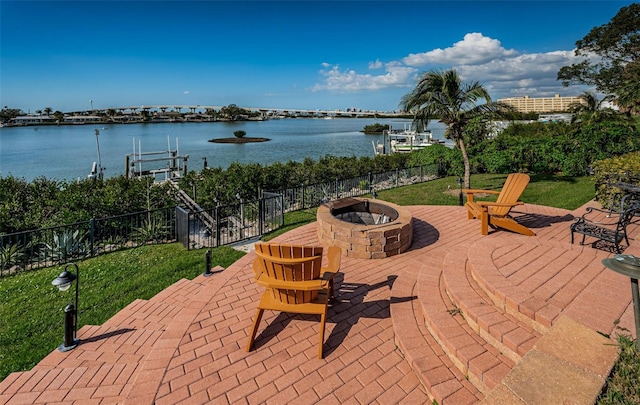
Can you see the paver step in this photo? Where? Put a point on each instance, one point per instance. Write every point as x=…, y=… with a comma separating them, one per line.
x=477, y=360
x=523, y=278
x=479, y=339
x=106, y=383
x=106, y=363
x=179, y=293
x=118, y=361
x=145, y=314
x=441, y=379
x=503, y=331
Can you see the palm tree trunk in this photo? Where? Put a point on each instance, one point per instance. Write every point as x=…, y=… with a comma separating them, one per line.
x=467, y=166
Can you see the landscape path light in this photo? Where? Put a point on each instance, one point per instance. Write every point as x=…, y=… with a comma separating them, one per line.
x=207, y=264
x=63, y=282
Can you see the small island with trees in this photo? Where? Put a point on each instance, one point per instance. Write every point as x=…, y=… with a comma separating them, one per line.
x=239, y=138
x=376, y=128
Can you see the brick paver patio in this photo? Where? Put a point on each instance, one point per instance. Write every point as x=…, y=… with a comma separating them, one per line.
x=459, y=318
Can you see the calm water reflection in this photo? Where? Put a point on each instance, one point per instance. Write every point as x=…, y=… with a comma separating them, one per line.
x=68, y=152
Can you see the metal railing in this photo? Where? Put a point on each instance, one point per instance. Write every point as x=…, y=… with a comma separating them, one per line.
x=44, y=247
x=310, y=196
x=228, y=224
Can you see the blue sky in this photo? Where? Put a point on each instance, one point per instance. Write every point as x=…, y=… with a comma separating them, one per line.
x=289, y=54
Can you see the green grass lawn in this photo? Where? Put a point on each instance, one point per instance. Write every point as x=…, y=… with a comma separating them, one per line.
x=552, y=191
x=31, y=319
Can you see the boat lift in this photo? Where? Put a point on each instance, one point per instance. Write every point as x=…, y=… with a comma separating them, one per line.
x=97, y=169
x=139, y=164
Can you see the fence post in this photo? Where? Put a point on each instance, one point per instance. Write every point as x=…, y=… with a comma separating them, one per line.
x=421, y=177
x=370, y=183
x=242, y=218
x=303, y=188
x=281, y=210
x=217, y=225
x=337, y=196
x=91, y=234
x=261, y=215
x=397, y=176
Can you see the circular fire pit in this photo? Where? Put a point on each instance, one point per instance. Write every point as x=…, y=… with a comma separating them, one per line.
x=366, y=229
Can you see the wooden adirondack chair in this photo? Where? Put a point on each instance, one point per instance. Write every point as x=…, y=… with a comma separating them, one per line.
x=295, y=281
x=496, y=214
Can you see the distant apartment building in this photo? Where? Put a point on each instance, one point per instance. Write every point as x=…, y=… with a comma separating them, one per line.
x=32, y=120
x=541, y=104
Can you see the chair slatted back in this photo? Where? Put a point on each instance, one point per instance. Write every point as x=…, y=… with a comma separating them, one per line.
x=627, y=216
x=511, y=191
x=290, y=263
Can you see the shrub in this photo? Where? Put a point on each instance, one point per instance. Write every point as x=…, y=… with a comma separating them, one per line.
x=239, y=133
x=376, y=128
x=65, y=245
x=624, y=168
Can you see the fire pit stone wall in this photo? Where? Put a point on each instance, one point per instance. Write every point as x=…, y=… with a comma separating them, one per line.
x=365, y=241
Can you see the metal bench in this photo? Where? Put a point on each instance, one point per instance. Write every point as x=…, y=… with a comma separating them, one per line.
x=598, y=224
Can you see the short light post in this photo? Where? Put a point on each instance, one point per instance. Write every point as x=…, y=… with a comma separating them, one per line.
x=207, y=264
x=460, y=194
x=63, y=282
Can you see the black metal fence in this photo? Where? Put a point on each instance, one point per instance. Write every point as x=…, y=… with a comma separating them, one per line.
x=22, y=251
x=310, y=196
x=227, y=224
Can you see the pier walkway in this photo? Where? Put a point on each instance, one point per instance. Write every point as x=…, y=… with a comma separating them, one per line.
x=459, y=319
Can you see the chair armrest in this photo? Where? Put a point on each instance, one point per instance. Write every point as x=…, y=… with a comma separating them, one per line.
x=478, y=191
x=594, y=211
x=497, y=204
x=471, y=192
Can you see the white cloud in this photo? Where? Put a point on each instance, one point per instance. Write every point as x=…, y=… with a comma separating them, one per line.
x=474, y=49
x=528, y=74
x=186, y=92
x=349, y=80
x=504, y=72
x=375, y=65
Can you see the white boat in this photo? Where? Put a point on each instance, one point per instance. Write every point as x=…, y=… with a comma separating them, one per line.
x=404, y=141
x=409, y=141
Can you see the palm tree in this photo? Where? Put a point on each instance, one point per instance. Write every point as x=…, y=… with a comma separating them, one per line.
x=590, y=107
x=441, y=94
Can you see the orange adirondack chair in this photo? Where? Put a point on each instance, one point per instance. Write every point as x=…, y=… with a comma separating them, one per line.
x=295, y=281
x=496, y=214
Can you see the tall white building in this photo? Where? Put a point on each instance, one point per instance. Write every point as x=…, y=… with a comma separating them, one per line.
x=541, y=104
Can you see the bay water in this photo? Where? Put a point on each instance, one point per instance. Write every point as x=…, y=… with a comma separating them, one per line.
x=67, y=152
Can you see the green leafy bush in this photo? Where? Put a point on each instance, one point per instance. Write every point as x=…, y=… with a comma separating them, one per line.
x=376, y=128
x=10, y=255
x=624, y=169
x=65, y=245
x=153, y=229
